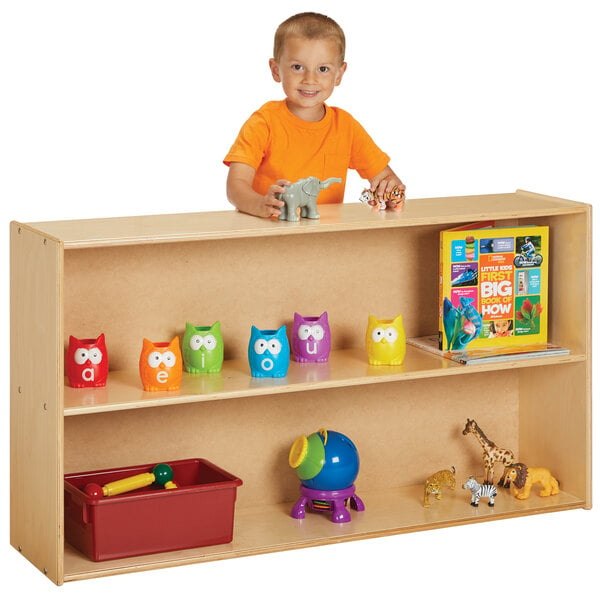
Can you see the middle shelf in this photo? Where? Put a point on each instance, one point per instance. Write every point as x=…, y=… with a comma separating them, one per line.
x=344, y=368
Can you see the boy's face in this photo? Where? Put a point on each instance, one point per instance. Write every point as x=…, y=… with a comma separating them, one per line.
x=308, y=71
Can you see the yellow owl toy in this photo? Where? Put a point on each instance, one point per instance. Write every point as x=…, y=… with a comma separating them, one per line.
x=386, y=341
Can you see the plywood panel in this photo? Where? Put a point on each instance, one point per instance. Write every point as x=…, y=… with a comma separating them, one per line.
x=152, y=290
x=36, y=402
x=404, y=432
x=555, y=425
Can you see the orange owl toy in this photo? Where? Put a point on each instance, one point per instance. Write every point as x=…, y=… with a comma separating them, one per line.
x=161, y=365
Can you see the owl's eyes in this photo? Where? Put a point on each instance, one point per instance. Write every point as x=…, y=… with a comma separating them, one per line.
x=274, y=346
x=389, y=334
x=208, y=341
x=82, y=355
x=261, y=346
x=167, y=358
x=154, y=359
x=305, y=331
x=318, y=332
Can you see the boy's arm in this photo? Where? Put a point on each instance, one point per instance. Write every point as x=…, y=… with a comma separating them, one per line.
x=385, y=182
x=241, y=194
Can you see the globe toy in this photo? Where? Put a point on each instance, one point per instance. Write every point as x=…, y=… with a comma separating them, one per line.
x=327, y=465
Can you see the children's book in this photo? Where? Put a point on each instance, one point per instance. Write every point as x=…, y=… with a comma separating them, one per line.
x=493, y=286
x=480, y=356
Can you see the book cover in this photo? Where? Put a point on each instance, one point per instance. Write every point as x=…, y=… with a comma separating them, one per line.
x=493, y=286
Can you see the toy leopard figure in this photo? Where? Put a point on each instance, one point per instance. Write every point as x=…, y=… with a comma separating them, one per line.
x=436, y=483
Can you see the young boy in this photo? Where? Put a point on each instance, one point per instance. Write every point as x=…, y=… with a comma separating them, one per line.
x=302, y=136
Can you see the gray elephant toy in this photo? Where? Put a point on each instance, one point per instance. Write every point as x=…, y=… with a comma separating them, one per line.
x=303, y=193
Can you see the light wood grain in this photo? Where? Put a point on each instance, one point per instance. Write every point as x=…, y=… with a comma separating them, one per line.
x=36, y=426
x=146, y=276
x=270, y=528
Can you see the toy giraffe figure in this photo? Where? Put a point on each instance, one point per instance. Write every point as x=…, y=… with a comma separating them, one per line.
x=491, y=453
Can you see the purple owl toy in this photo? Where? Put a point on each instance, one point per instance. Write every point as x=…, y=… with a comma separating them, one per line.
x=311, y=338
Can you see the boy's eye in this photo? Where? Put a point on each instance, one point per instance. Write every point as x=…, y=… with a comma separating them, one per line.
x=323, y=69
x=296, y=67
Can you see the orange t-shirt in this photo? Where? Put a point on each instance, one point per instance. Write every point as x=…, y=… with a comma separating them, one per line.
x=279, y=145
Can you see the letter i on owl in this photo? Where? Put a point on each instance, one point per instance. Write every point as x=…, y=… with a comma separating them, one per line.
x=87, y=362
x=161, y=365
x=386, y=341
x=203, y=348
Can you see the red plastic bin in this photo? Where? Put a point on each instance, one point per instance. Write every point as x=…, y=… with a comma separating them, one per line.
x=153, y=519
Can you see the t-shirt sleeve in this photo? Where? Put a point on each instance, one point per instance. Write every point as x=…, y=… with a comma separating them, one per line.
x=366, y=156
x=249, y=146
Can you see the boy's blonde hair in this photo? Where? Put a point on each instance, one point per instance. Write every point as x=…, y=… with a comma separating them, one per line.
x=312, y=26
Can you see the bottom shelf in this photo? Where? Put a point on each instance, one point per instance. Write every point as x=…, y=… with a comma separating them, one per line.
x=270, y=528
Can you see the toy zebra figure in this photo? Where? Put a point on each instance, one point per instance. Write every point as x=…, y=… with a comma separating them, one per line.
x=479, y=490
x=491, y=453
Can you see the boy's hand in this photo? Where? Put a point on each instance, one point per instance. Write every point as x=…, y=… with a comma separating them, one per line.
x=272, y=202
x=241, y=194
x=384, y=183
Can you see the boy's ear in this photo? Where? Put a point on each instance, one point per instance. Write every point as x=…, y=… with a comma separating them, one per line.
x=274, y=70
x=341, y=73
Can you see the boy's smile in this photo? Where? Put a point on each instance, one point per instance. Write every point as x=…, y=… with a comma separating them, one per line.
x=308, y=71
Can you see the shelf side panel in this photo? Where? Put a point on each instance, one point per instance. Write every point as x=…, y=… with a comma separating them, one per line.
x=36, y=422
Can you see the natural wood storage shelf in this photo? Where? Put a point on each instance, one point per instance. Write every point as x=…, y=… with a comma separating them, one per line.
x=146, y=276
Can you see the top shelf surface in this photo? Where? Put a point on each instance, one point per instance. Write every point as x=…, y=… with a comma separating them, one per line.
x=119, y=231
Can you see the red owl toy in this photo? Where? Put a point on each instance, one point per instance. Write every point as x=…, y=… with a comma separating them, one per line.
x=161, y=365
x=87, y=362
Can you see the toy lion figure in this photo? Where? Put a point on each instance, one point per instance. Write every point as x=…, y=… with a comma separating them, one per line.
x=436, y=483
x=523, y=477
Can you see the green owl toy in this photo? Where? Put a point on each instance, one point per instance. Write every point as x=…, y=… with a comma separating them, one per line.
x=203, y=348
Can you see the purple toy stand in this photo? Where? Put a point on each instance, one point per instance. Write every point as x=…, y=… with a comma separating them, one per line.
x=328, y=500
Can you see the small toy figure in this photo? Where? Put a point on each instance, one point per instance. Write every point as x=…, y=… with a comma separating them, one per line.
x=303, y=194
x=161, y=365
x=87, y=362
x=523, y=477
x=385, y=341
x=268, y=352
x=393, y=200
x=480, y=491
x=327, y=464
x=436, y=483
x=203, y=348
x=311, y=338
x=491, y=453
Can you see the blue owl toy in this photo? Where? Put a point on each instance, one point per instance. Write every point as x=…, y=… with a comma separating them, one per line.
x=268, y=352
x=327, y=464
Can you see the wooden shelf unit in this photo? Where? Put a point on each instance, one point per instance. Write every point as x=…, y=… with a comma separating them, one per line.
x=146, y=276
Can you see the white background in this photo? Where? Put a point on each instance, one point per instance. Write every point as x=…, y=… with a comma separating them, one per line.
x=128, y=107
